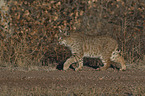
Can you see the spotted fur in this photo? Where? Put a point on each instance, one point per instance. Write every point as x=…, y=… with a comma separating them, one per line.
x=82, y=45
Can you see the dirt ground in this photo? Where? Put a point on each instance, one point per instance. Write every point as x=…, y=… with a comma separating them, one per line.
x=82, y=83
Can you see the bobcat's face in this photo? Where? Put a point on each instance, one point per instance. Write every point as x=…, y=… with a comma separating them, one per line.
x=63, y=38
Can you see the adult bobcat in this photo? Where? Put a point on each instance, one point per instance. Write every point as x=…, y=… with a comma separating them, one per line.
x=82, y=45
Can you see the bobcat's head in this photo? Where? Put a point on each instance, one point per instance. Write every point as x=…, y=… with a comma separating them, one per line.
x=62, y=38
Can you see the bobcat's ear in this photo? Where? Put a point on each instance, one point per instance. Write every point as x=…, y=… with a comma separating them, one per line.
x=60, y=31
x=56, y=36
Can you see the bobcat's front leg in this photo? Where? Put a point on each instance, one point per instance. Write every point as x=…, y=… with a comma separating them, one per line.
x=80, y=61
x=68, y=62
x=119, y=59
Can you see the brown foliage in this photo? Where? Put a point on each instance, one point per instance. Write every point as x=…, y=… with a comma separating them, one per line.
x=28, y=27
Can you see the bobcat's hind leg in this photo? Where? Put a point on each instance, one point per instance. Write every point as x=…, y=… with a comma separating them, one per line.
x=106, y=65
x=119, y=59
x=68, y=62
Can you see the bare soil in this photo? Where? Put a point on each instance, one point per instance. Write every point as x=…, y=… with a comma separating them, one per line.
x=80, y=83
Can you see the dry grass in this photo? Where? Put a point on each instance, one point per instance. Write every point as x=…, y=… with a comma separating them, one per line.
x=139, y=65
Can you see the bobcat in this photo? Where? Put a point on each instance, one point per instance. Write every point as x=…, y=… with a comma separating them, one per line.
x=82, y=45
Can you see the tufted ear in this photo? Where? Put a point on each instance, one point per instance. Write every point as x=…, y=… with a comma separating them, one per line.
x=56, y=36
x=60, y=31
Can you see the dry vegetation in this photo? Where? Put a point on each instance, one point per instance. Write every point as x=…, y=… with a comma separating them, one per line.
x=27, y=28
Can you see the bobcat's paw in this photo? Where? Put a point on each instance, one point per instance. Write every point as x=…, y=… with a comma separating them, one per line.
x=77, y=69
x=65, y=68
x=122, y=69
x=101, y=69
